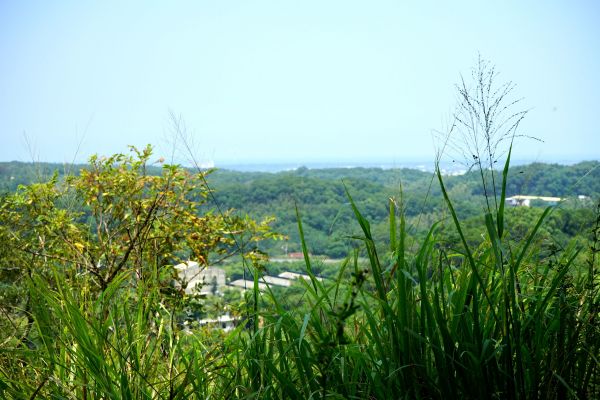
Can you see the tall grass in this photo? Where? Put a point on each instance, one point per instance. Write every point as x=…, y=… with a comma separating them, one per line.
x=494, y=321
x=489, y=322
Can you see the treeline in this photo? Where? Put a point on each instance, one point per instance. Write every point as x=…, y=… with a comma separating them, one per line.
x=321, y=197
x=540, y=179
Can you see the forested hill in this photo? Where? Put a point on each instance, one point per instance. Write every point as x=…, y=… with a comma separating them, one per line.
x=539, y=179
x=328, y=221
x=556, y=180
x=320, y=195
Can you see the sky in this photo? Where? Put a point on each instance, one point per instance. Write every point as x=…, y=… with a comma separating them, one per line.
x=282, y=81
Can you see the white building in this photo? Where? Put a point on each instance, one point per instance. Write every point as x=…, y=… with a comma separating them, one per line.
x=521, y=200
x=245, y=284
x=263, y=281
x=277, y=281
x=285, y=279
x=294, y=275
x=210, y=279
x=225, y=322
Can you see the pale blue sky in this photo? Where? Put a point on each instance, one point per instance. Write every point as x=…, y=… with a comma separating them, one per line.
x=305, y=80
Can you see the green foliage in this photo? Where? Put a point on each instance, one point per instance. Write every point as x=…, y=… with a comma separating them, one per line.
x=328, y=218
x=442, y=294
x=497, y=317
x=70, y=246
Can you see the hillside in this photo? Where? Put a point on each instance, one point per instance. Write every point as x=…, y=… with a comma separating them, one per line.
x=320, y=195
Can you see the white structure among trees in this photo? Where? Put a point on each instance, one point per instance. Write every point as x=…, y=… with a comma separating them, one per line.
x=211, y=279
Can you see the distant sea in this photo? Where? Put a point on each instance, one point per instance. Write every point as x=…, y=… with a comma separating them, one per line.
x=291, y=166
x=449, y=168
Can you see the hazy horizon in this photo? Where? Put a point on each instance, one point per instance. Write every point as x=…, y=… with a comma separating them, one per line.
x=289, y=165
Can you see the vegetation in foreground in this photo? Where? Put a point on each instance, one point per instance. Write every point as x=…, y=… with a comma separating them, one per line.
x=503, y=319
x=89, y=309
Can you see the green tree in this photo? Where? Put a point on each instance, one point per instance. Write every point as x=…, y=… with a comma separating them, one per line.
x=114, y=220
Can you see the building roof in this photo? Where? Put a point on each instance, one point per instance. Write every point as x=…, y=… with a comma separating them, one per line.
x=246, y=284
x=277, y=281
x=263, y=282
x=521, y=197
x=294, y=275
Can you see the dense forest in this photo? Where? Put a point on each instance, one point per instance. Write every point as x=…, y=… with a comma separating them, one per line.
x=320, y=195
